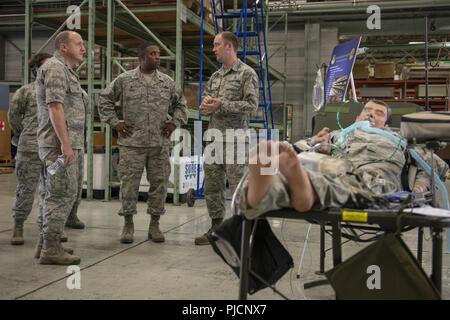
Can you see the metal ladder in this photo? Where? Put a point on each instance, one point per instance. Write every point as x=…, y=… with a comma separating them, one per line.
x=257, y=31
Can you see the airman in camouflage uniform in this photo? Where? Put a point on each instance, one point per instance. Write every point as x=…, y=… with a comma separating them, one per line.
x=22, y=117
x=61, y=117
x=152, y=108
x=230, y=97
x=375, y=163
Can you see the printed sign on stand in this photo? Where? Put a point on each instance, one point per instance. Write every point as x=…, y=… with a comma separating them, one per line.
x=340, y=69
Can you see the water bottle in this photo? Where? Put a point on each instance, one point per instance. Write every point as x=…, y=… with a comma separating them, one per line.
x=55, y=166
x=318, y=94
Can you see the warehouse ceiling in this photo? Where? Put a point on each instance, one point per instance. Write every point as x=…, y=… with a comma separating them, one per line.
x=402, y=23
x=402, y=32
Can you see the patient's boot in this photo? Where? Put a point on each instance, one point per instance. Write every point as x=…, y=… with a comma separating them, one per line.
x=17, y=238
x=203, y=239
x=128, y=230
x=53, y=253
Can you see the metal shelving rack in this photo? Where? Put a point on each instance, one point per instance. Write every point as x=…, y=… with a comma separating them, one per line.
x=133, y=24
x=120, y=25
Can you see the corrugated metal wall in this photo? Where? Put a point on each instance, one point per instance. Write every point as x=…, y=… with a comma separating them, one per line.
x=13, y=59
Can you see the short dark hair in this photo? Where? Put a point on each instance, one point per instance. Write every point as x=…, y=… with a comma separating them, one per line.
x=38, y=59
x=388, y=109
x=143, y=47
x=230, y=37
x=63, y=37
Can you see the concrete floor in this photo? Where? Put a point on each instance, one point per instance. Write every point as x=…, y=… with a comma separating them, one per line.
x=176, y=269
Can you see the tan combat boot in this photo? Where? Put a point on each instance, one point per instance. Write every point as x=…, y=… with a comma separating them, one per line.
x=17, y=238
x=53, y=253
x=154, y=233
x=128, y=230
x=37, y=251
x=203, y=239
x=74, y=223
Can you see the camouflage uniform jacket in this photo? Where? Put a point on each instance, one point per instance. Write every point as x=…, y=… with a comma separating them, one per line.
x=237, y=90
x=22, y=117
x=146, y=106
x=373, y=154
x=57, y=82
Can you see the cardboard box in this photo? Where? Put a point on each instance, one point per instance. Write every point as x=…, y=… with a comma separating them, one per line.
x=434, y=91
x=361, y=71
x=377, y=92
x=385, y=70
x=99, y=140
x=191, y=92
x=5, y=137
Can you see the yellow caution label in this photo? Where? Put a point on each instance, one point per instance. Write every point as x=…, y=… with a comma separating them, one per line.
x=355, y=216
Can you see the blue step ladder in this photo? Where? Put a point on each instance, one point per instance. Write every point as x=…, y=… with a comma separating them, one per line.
x=250, y=26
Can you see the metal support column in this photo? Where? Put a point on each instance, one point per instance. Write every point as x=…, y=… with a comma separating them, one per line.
x=436, y=267
x=90, y=122
x=179, y=81
x=109, y=64
x=235, y=23
x=285, y=113
x=312, y=59
x=27, y=50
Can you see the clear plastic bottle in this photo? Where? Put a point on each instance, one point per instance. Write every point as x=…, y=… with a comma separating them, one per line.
x=318, y=94
x=55, y=166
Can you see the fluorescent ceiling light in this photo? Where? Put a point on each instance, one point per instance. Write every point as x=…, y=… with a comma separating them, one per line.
x=416, y=42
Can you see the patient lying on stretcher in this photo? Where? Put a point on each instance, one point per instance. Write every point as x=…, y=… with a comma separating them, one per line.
x=364, y=163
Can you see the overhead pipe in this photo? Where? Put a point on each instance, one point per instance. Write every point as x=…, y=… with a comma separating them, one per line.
x=361, y=6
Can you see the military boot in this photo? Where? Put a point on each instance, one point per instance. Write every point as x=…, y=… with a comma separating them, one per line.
x=37, y=251
x=53, y=253
x=154, y=233
x=74, y=223
x=128, y=230
x=203, y=239
x=17, y=238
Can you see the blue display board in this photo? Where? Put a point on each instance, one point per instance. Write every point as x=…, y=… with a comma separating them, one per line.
x=340, y=68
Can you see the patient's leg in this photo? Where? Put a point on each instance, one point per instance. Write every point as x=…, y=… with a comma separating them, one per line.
x=302, y=193
x=258, y=184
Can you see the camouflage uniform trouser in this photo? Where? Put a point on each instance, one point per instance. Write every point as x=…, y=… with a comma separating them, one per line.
x=132, y=161
x=63, y=192
x=332, y=192
x=215, y=183
x=29, y=170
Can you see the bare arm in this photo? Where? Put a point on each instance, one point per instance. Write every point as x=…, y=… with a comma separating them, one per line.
x=58, y=119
